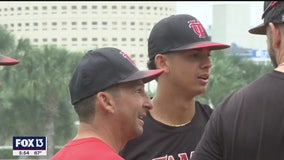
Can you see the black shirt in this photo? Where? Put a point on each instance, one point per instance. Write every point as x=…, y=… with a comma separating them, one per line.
x=248, y=124
x=163, y=142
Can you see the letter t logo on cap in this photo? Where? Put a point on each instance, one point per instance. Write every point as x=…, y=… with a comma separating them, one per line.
x=127, y=57
x=197, y=28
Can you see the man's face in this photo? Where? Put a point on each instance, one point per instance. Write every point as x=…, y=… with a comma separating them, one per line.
x=190, y=67
x=132, y=105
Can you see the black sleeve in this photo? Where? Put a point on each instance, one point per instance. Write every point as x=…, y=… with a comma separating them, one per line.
x=210, y=147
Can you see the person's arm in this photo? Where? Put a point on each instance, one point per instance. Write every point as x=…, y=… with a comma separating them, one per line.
x=210, y=145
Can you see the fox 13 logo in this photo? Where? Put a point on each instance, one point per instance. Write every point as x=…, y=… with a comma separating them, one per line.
x=29, y=146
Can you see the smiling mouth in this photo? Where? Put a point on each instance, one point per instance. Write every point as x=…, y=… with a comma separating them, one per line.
x=204, y=77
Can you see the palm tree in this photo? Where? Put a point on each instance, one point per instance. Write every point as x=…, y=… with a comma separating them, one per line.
x=39, y=94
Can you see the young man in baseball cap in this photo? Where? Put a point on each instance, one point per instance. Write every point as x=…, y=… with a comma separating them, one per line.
x=180, y=45
x=107, y=91
x=249, y=123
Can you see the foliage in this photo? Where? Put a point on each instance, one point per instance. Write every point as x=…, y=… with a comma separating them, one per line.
x=34, y=96
x=7, y=41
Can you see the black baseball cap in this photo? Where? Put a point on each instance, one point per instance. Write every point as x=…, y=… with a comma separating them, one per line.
x=273, y=11
x=100, y=69
x=7, y=61
x=179, y=32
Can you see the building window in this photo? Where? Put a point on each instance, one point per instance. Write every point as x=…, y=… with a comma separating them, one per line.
x=74, y=39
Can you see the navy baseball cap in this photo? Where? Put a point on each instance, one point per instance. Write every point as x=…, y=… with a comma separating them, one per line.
x=102, y=68
x=7, y=61
x=273, y=11
x=177, y=33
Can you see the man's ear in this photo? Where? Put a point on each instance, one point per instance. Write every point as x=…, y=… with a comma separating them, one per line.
x=276, y=36
x=161, y=62
x=105, y=102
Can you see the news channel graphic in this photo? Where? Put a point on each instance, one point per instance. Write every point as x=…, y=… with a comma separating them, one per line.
x=29, y=146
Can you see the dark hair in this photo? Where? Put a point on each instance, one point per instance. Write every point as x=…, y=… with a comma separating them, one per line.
x=151, y=64
x=86, y=107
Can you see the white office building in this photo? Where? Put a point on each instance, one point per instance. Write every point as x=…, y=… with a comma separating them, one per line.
x=82, y=25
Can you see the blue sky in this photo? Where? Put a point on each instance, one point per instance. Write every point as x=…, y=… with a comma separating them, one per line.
x=203, y=10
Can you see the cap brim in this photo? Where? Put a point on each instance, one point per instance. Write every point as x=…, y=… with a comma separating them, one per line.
x=206, y=44
x=7, y=61
x=146, y=76
x=260, y=29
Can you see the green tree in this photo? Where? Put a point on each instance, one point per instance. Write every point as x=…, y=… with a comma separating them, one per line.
x=7, y=41
x=38, y=94
x=7, y=44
